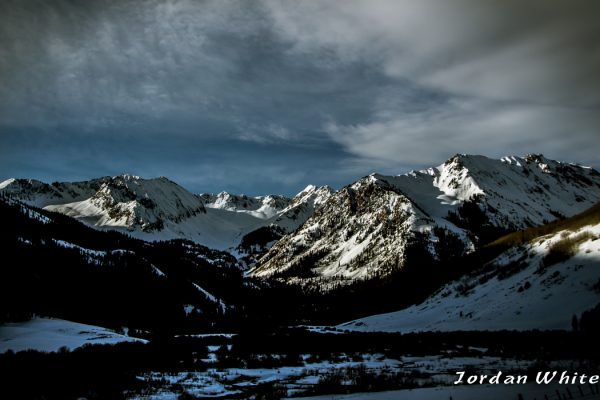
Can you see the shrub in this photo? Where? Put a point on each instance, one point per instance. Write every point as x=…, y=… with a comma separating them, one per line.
x=565, y=248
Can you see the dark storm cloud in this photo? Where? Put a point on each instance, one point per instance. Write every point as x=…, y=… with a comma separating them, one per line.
x=109, y=63
x=272, y=94
x=519, y=75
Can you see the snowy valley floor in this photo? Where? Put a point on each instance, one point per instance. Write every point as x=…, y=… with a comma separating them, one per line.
x=434, y=373
x=297, y=362
x=377, y=366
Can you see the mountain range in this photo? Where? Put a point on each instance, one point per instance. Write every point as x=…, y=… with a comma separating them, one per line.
x=425, y=237
x=160, y=209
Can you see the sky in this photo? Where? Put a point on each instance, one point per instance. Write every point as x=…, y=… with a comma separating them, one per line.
x=269, y=96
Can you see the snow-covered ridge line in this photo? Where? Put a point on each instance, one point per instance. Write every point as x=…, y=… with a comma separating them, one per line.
x=513, y=192
x=363, y=229
x=159, y=209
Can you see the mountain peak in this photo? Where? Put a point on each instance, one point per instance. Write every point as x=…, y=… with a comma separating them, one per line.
x=311, y=189
x=308, y=188
x=128, y=177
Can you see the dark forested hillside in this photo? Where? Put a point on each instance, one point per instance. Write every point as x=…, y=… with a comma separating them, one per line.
x=54, y=265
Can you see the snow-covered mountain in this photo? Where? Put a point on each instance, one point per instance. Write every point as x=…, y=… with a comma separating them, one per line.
x=364, y=229
x=297, y=211
x=40, y=194
x=159, y=209
x=263, y=207
x=360, y=231
x=124, y=201
x=539, y=285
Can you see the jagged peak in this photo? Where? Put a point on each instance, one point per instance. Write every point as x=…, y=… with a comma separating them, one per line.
x=457, y=158
x=312, y=189
x=223, y=195
x=462, y=160
x=537, y=158
x=372, y=179
x=309, y=188
x=375, y=176
x=136, y=178
x=127, y=177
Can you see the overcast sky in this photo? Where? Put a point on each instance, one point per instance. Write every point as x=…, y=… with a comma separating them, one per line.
x=269, y=96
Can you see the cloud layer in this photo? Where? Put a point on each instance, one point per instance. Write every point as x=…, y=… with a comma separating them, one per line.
x=513, y=76
x=336, y=89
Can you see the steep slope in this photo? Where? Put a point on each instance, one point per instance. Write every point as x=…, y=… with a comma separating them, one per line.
x=541, y=284
x=302, y=207
x=287, y=220
x=337, y=241
x=519, y=192
x=364, y=229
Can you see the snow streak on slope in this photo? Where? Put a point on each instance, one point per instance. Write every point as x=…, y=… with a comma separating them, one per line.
x=521, y=289
x=44, y=334
x=212, y=298
x=363, y=230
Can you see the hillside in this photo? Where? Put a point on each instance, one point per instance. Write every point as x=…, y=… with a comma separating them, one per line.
x=45, y=334
x=543, y=282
